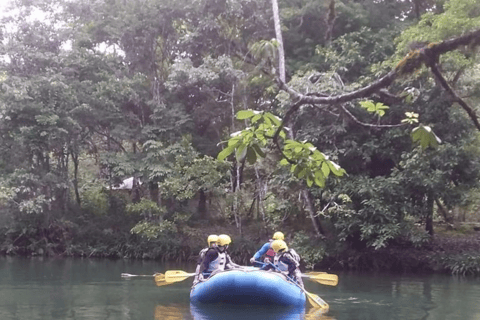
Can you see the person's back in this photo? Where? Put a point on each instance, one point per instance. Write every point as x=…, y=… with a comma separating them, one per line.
x=217, y=259
x=266, y=253
x=212, y=242
x=286, y=261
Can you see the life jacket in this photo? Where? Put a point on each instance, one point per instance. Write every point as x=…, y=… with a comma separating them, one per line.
x=201, y=255
x=218, y=263
x=295, y=256
x=270, y=254
x=291, y=255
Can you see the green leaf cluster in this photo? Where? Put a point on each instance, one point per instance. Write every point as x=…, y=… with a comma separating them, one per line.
x=248, y=143
x=425, y=136
x=375, y=108
x=308, y=163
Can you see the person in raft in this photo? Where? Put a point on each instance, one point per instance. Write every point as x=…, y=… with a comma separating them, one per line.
x=212, y=242
x=216, y=258
x=266, y=251
x=286, y=261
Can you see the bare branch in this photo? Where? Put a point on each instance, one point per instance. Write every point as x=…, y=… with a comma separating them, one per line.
x=471, y=113
x=383, y=82
x=411, y=62
x=368, y=124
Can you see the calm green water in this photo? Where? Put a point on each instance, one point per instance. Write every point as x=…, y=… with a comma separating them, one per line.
x=45, y=289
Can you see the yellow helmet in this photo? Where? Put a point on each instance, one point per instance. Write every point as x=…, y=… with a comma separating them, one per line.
x=223, y=240
x=278, y=236
x=212, y=238
x=279, y=245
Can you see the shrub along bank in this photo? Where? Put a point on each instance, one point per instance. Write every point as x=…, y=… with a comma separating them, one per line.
x=447, y=252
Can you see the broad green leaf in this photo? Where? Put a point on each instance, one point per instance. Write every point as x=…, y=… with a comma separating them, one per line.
x=320, y=179
x=297, y=170
x=325, y=169
x=241, y=152
x=234, y=142
x=302, y=173
x=290, y=144
x=276, y=120
x=258, y=150
x=245, y=114
x=251, y=155
x=320, y=183
x=225, y=153
x=255, y=118
x=367, y=105
x=309, y=181
x=335, y=168
x=317, y=155
x=425, y=136
x=381, y=106
x=284, y=162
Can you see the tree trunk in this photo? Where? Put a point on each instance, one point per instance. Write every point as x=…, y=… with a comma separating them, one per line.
x=278, y=35
x=75, y=176
x=135, y=184
x=429, y=215
x=443, y=211
x=307, y=196
x=281, y=67
x=262, y=190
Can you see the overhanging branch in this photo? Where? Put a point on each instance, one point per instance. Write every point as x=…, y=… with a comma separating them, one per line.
x=471, y=113
x=411, y=62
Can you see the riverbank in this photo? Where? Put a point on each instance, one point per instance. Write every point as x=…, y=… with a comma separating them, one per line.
x=451, y=250
x=454, y=250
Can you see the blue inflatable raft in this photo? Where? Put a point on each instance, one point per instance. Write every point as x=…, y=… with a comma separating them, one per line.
x=248, y=287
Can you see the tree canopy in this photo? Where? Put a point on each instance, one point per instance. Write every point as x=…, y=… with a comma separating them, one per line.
x=350, y=121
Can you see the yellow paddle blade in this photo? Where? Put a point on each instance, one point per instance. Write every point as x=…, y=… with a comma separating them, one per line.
x=317, y=302
x=325, y=282
x=315, y=273
x=162, y=283
x=160, y=280
x=317, y=314
x=159, y=277
x=323, y=278
x=177, y=275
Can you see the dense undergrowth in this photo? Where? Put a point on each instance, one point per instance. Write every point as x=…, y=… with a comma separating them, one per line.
x=447, y=252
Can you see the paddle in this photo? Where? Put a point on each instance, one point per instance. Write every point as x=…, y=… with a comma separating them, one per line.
x=314, y=300
x=177, y=275
x=160, y=280
x=180, y=275
x=320, y=277
x=128, y=275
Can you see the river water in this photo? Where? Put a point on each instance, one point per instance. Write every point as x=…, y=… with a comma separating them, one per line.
x=75, y=289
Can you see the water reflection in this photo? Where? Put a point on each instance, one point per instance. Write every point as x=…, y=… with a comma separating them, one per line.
x=317, y=314
x=227, y=311
x=168, y=313
x=85, y=289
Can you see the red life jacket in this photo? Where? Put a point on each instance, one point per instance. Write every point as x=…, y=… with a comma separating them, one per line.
x=270, y=254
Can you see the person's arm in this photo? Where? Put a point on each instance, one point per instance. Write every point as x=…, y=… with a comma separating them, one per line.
x=209, y=257
x=292, y=265
x=200, y=258
x=230, y=264
x=267, y=267
x=262, y=251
